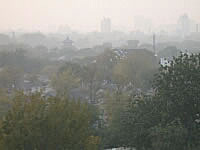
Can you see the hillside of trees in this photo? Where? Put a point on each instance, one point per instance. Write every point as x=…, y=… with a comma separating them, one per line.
x=114, y=99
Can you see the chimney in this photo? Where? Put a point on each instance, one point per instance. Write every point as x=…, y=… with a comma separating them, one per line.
x=154, y=44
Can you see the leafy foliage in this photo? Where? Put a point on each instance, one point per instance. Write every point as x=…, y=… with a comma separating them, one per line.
x=35, y=123
x=168, y=120
x=178, y=85
x=135, y=70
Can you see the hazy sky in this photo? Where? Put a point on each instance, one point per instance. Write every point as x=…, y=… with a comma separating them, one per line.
x=85, y=15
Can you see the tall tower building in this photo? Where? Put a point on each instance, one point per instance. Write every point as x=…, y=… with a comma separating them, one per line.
x=106, y=25
x=184, y=25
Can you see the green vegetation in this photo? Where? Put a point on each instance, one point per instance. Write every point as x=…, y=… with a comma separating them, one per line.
x=167, y=120
x=35, y=123
x=135, y=70
x=115, y=99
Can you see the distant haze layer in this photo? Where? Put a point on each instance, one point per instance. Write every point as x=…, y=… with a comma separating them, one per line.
x=85, y=15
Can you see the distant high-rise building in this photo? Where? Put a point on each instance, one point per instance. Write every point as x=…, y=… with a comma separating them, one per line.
x=184, y=25
x=106, y=25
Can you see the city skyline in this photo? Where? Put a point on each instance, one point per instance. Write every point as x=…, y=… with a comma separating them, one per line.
x=86, y=15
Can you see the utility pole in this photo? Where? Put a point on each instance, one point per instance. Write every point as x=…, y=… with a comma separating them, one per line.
x=154, y=45
x=197, y=28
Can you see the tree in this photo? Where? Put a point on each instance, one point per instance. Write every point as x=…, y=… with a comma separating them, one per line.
x=169, y=52
x=172, y=136
x=5, y=102
x=169, y=119
x=135, y=70
x=115, y=111
x=11, y=76
x=105, y=63
x=35, y=123
x=178, y=88
x=64, y=81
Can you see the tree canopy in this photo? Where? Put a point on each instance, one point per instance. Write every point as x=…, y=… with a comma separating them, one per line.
x=36, y=123
x=167, y=120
